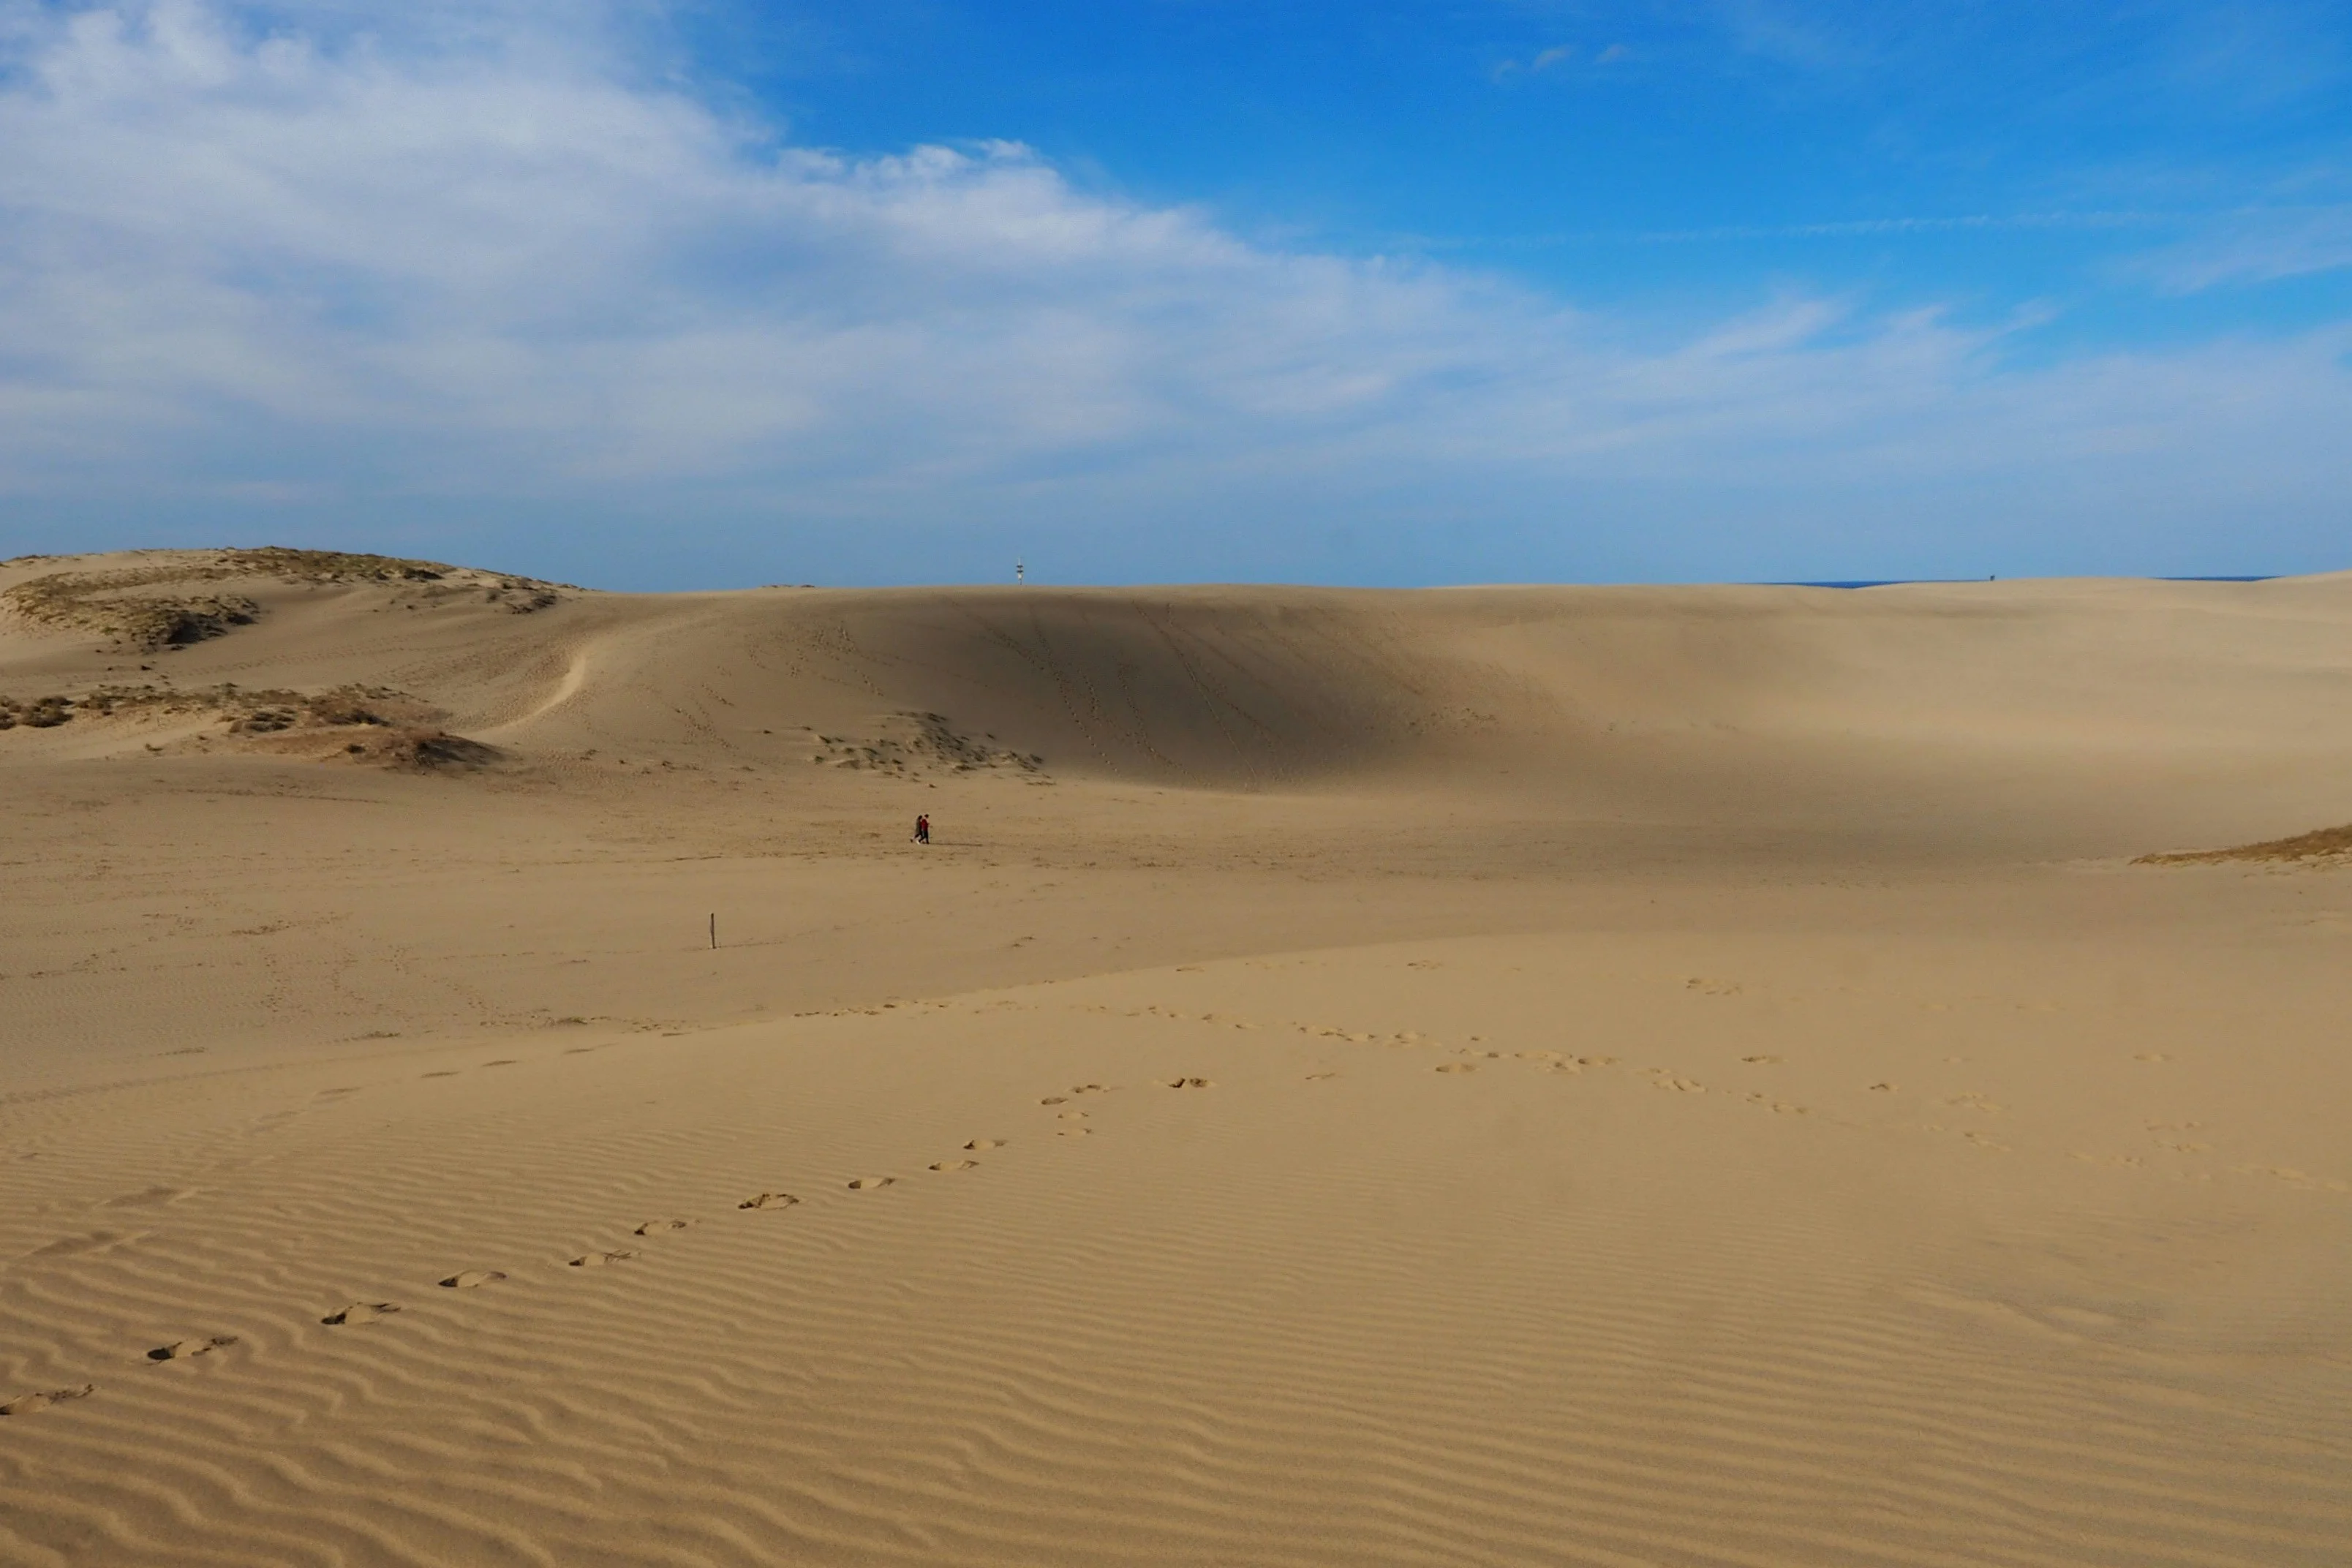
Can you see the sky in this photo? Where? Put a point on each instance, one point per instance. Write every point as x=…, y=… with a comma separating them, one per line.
x=709, y=294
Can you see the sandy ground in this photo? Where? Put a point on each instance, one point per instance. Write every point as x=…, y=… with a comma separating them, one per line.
x=1663, y=1077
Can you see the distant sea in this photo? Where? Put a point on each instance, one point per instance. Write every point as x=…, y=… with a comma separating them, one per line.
x=1895, y=581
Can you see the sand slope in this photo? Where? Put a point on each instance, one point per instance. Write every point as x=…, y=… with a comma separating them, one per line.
x=1489, y=1076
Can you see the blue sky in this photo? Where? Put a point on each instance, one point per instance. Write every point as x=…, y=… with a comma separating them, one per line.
x=711, y=294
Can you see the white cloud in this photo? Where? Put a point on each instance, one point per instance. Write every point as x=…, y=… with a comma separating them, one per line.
x=475, y=264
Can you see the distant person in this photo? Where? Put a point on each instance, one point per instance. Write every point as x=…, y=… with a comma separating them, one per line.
x=923, y=828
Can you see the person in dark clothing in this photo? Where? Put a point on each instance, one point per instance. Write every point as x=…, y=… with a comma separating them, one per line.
x=923, y=828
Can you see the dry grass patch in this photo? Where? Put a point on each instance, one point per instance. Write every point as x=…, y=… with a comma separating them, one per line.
x=2319, y=844
x=152, y=608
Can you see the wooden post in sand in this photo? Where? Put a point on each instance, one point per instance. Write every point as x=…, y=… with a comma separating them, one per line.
x=714, y=932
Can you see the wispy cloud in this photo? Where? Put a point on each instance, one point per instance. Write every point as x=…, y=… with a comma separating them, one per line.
x=1542, y=60
x=2255, y=246
x=480, y=271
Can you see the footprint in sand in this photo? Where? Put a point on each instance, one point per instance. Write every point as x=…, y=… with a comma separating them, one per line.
x=359, y=1312
x=1075, y=1130
x=1457, y=1066
x=1319, y=1076
x=956, y=1166
x=472, y=1279
x=181, y=1349
x=501, y=1062
x=1764, y=1061
x=978, y=1144
x=769, y=1201
x=1882, y=1088
x=1662, y=1079
x=1536, y=1056
x=599, y=1259
x=656, y=1226
x=870, y=1184
x=25, y=1404
x=1054, y=1099
x=1088, y=1088
x=450, y=1073
x=1188, y=1083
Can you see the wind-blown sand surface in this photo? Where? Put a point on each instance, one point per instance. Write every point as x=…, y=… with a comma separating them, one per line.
x=1581, y=1075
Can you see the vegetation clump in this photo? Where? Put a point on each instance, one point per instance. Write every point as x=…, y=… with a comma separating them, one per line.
x=41, y=713
x=914, y=744
x=249, y=712
x=2324, y=843
x=150, y=608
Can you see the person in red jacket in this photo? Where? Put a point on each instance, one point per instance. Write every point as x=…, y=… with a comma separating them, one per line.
x=923, y=828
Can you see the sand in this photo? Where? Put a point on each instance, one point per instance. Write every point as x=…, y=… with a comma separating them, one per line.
x=1547, y=1076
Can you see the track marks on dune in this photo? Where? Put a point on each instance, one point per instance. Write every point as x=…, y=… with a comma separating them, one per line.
x=184, y=1350
x=472, y=1279
x=31, y=1404
x=359, y=1312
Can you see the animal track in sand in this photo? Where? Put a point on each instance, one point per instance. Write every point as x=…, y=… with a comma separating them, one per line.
x=979, y=1144
x=599, y=1259
x=73, y=1246
x=1188, y=1083
x=1457, y=1066
x=656, y=1226
x=27, y=1404
x=472, y=1279
x=956, y=1166
x=870, y=1184
x=769, y=1201
x=181, y=1349
x=149, y=1198
x=359, y=1312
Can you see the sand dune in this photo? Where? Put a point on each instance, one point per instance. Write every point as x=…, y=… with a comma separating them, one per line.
x=1612, y=1076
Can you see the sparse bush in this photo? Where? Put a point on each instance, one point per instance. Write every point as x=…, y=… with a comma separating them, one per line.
x=123, y=604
